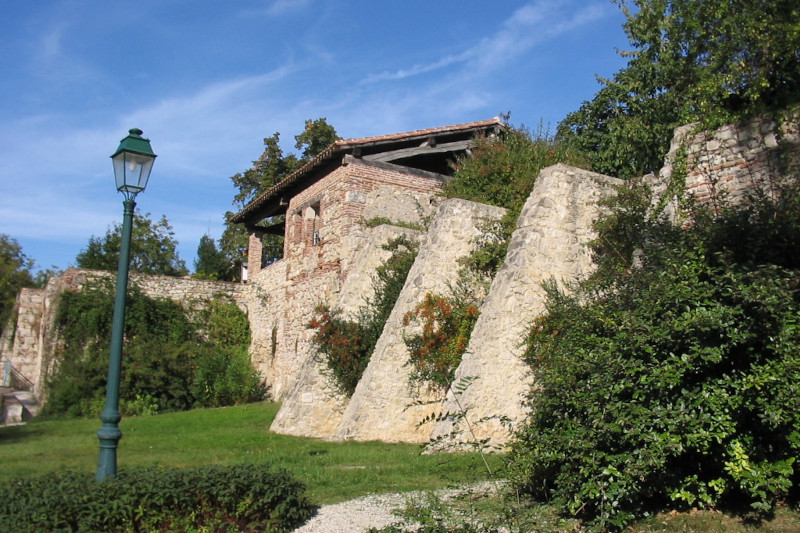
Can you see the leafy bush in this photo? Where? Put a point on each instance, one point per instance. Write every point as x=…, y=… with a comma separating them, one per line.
x=446, y=324
x=502, y=171
x=674, y=382
x=245, y=498
x=346, y=345
x=172, y=361
x=224, y=374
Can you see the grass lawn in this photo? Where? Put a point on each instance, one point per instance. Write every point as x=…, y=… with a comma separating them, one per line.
x=332, y=471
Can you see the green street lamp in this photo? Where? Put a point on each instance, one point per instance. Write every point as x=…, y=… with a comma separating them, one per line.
x=133, y=162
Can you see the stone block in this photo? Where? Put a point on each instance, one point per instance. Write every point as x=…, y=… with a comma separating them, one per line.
x=548, y=244
x=385, y=405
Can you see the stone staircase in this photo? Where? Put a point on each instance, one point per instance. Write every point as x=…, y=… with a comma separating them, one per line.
x=17, y=407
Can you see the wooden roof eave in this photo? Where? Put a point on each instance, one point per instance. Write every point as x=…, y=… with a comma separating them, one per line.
x=261, y=207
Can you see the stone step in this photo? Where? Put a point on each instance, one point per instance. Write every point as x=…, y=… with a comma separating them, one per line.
x=17, y=407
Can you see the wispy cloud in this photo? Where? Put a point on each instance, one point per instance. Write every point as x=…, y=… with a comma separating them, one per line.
x=279, y=8
x=416, y=69
x=528, y=26
x=221, y=115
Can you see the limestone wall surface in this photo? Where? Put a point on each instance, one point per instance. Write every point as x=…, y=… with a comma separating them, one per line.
x=549, y=243
x=265, y=301
x=33, y=348
x=20, y=342
x=385, y=404
x=314, y=406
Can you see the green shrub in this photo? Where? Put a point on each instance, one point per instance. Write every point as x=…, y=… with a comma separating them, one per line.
x=241, y=498
x=158, y=359
x=173, y=359
x=224, y=374
x=502, y=171
x=346, y=345
x=673, y=383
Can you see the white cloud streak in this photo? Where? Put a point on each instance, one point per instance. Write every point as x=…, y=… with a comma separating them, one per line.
x=528, y=26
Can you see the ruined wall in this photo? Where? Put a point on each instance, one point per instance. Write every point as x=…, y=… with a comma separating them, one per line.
x=314, y=406
x=33, y=348
x=730, y=163
x=324, y=235
x=265, y=300
x=385, y=405
x=549, y=243
x=20, y=339
x=329, y=254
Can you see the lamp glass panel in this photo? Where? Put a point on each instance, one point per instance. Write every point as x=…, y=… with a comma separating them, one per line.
x=132, y=171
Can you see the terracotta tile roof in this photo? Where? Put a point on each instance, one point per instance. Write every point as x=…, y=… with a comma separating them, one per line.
x=421, y=133
x=345, y=145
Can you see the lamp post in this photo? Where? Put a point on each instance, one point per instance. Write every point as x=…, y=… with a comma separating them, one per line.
x=133, y=162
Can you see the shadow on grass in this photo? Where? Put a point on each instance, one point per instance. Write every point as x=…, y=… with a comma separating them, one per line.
x=14, y=434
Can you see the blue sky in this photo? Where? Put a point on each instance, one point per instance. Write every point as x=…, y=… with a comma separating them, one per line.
x=207, y=80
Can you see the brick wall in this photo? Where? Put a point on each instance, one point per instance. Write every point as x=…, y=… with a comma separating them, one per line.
x=324, y=232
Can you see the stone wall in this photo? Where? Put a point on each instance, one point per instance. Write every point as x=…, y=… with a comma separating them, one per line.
x=732, y=162
x=330, y=254
x=385, y=405
x=325, y=233
x=21, y=338
x=314, y=407
x=266, y=304
x=32, y=349
x=549, y=243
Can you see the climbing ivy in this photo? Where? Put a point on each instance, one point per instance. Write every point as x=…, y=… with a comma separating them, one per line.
x=173, y=359
x=345, y=345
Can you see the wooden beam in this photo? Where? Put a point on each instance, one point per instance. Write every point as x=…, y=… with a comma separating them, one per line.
x=405, y=153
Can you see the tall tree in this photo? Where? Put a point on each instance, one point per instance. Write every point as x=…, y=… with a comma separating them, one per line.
x=15, y=273
x=316, y=136
x=210, y=263
x=153, y=249
x=712, y=61
x=270, y=168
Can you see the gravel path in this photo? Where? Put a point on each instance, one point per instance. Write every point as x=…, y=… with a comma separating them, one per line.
x=357, y=516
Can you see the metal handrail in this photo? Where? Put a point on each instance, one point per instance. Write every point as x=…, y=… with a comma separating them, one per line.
x=12, y=376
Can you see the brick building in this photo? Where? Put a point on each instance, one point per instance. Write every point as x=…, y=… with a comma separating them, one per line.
x=322, y=208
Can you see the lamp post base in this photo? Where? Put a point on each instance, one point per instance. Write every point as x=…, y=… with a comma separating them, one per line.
x=109, y=436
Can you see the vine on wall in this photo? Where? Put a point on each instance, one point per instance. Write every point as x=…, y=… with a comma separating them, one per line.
x=346, y=345
x=173, y=359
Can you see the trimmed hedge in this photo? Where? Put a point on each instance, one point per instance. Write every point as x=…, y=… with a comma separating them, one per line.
x=244, y=498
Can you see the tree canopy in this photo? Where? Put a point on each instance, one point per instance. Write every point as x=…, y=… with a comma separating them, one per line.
x=153, y=248
x=211, y=263
x=712, y=61
x=15, y=273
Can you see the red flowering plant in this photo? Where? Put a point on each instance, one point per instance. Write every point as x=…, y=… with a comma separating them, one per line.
x=343, y=345
x=346, y=344
x=444, y=325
